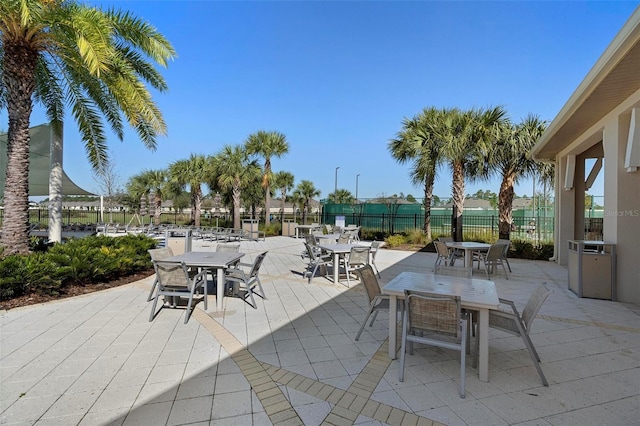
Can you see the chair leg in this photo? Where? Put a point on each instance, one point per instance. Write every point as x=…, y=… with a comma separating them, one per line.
x=507, y=260
x=402, y=348
x=259, y=284
x=153, y=288
x=535, y=358
x=463, y=358
x=153, y=308
x=364, y=322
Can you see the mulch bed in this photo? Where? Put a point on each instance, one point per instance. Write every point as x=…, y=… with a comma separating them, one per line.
x=72, y=290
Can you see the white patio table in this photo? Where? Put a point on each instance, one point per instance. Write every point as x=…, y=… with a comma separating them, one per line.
x=475, y=294
x=469, y=247
x=340, y=250
x=209, y=260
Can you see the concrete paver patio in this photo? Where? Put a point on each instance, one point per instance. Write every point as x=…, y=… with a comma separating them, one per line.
x=96, y=359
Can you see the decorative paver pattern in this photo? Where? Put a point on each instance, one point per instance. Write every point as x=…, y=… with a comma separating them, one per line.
x=96, y=359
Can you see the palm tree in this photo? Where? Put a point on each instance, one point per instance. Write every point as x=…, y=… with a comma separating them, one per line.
x=192, y=172
x=510, y=157
x=305, y=191
x=466, y=139
x=56, y=52
x=417, y=142
x=230, y=168
x=341, y=196
x=284, y=182
x=154, y=183
x=267, y=145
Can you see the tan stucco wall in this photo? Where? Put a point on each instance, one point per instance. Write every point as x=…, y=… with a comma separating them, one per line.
x=621, y=198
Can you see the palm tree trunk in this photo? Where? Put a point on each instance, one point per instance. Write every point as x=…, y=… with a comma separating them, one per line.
x=428, y=197
x=282, y=204
x=158, y=212
x=236, y=193
x=458, y=199
x=19, y=66
x=267, y=206
x=197, y=201
x=505, y=202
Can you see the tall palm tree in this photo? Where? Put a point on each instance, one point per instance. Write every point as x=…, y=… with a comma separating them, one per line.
x=155, y=184
x=509, y=156
x=267, y=145
x=284, y=182
x=418, y=142
x=230, y=168
x=305, y=191
x=56, y=53
x=192, y=172
x=466, y=139
x=341, y=196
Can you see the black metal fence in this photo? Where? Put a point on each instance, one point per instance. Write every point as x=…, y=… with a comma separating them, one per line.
x=539, y=228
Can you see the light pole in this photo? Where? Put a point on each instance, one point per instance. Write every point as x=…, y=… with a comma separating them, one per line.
x=357, y=176
x=335, y=189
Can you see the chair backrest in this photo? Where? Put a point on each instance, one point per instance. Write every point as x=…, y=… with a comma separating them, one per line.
x=317, y=233
x=441, y=249
x=257, y=263
x=337, y=229
x=344, y=238
x=505, y=249
x=445, y=239
x=359, y=255
x=368, y=278
x=495, y=252
x=329, y=228
x=160, y=253
x=313, y=255
x=228, y=248
x=171, y=274
x=375, y=245
x=533, y=305
x=310, y=239
x=452, y=271
x=433, y=313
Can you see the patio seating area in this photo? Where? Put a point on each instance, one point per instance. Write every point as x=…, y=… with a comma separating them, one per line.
x=96, y=359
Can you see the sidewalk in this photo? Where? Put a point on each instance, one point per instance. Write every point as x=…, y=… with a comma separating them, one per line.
x=96, y=359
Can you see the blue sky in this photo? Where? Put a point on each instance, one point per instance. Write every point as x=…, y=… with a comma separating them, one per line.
x=337, y=78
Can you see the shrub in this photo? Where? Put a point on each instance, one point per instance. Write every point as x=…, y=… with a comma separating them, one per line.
x=417, y=236
x=395, y=240
x=78, y=261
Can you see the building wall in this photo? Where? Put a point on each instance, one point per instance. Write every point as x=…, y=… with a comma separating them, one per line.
x=621, y=223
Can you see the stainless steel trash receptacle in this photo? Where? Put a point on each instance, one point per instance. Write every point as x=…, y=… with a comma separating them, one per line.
x=592, y=269
x=179, y=240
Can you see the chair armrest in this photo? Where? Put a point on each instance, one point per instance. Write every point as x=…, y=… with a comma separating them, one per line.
x=511, y=304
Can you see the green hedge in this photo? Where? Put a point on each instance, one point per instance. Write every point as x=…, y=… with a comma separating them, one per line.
x=82, y=261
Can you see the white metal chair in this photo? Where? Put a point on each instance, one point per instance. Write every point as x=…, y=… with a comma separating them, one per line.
x=444, y=255
x=317, y=260
x=377, y=300
x=375, y=246
x=492, y=258
x=228, y=248
x=505, y=252
x=520, y=325
x=434, y=320
x=247, y=281
x=174, y=282
x=158, y=254
x=357, y=258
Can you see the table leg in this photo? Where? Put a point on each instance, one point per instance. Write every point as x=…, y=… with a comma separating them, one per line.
x=336, y=268
x=483, y=355
x=393, y=318
x=220, y=289
x=468, y=259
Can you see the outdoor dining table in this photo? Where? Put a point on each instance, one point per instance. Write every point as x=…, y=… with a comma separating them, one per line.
x=340, y=250
x=327, y=237
x=307, y=228
x=475, y=294
x=469, y=247
x=209, y=260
